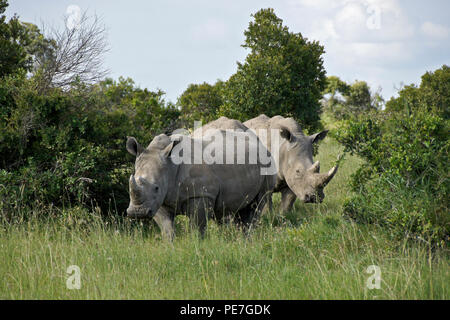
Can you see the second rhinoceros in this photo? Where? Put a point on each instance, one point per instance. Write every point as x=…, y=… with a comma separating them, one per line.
x=170, y=180
x=297, y=175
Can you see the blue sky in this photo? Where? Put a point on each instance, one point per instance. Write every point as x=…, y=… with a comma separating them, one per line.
x=170, y=44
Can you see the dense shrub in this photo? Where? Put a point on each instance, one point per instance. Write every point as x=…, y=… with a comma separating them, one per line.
x=404, y=183
x=68, y=147
x=200, y=102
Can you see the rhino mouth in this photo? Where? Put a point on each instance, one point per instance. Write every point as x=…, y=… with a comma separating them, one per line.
x=313, y=199
x=139, y=212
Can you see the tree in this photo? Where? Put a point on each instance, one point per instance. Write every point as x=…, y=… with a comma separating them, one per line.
x=13, y=43
x=432, y=94
x=360, y=98
x=200, y=102
x=335, y=86
x=336, y=89
x=68, y=146
x=283, y=74
x=346, y=100
x=56, y=58
x=72, y=54
x=140, y=112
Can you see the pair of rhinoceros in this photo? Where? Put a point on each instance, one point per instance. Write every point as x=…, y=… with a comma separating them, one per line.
x=162, y=188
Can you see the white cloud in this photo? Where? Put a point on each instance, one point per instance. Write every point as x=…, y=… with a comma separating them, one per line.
x=212, y=29
x=356, y=20
x=376, y=20
x=318, y=4
x=350, y=22
x=433, y=30
x=377, y=53
x=363, y=39
x=373, y=32
x=323, y=30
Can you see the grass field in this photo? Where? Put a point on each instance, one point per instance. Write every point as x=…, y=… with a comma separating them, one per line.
x=312, y=253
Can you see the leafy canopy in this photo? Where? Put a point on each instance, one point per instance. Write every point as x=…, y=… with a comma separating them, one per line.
x=433, y=94
x=14, y=40
x=345, y=100
x=200, y=102
x=282, y=75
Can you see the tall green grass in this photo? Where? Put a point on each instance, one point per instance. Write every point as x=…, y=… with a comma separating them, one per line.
x=309, y=253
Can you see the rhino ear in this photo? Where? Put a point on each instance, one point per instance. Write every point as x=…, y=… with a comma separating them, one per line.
x=318, y=136
x=168, y=150
x=134, y=147
x=285, y=133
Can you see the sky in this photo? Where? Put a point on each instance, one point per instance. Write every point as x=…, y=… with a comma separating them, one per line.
x=169, y=44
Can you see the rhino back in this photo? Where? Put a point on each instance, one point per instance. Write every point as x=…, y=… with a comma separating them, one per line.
x=232, y=186
x=223, y=123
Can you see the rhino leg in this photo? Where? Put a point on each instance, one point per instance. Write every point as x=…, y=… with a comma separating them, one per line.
x=248, y=216
x=165, y=222
x=244, y=217
x=287, y=199
x=198, y=210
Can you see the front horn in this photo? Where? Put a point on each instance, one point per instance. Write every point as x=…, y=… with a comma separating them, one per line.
x=135, y=189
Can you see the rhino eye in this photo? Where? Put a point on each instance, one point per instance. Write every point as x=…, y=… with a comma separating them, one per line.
x=156, y=188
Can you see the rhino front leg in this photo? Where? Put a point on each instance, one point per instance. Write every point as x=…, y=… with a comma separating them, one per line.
x=165, y=221
x=287, y=199
x=198, y=210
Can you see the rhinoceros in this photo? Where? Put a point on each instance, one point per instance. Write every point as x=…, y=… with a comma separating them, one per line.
x=169, y=180
x=297, y=175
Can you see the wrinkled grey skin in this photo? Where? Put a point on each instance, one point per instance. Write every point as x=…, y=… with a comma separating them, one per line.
x=297, y=175
x=161, y=189
x=223, y=123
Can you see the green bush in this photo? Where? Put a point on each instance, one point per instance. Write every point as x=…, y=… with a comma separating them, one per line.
x=404, y=183
x=68, y=147
x=282, y=75
x=200, y=102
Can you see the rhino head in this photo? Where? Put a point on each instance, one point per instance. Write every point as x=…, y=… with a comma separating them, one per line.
x=149, y=185
x=296, y=166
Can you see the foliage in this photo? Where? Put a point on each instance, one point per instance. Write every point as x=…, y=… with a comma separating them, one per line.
x=200, y=102
x=282, y=75
x=67, y=147
x=404, y=183
x=432, y=95
x=336, y=86
x=14, y=40
x=344, y=100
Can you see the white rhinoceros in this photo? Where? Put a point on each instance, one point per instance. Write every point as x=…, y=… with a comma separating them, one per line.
x=170, y=180
x=297, y=175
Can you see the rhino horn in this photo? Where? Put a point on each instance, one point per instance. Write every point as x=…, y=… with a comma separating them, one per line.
x=135, y=189
x=315, y=168
x=324, y=179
